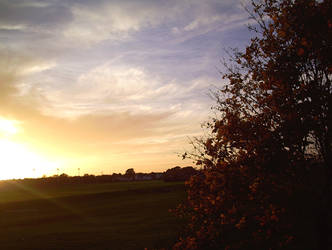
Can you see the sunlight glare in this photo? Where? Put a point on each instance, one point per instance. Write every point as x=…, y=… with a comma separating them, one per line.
x=8, y=127
x=18, y=162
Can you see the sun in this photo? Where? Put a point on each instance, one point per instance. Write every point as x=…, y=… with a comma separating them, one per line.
x=16, y=160
x=8, y=127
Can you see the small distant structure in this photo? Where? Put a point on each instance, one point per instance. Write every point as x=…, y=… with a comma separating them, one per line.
x=143, y=177
x=119, y=177
x=158, y=176
x=148, y=177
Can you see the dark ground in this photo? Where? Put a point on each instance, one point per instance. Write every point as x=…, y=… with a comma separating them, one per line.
x=130, y=215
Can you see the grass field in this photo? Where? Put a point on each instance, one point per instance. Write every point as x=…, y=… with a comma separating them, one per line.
x=123, y=215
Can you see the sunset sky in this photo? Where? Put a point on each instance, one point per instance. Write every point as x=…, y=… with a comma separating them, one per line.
x=108, y=85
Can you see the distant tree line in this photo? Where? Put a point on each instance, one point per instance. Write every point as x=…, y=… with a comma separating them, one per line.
x=174, y=174
x=179, y=174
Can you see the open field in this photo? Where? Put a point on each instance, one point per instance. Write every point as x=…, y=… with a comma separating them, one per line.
x=127, y=215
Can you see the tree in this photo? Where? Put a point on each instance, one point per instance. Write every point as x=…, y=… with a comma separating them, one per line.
x=273, y=131
x=130, y=173
x=179, y=174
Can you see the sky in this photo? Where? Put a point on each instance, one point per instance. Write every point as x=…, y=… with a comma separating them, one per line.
x=102, y=86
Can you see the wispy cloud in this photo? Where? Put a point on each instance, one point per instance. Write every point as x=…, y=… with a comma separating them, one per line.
x=115, y=81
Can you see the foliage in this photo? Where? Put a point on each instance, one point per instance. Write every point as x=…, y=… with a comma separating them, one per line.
x=274, y=122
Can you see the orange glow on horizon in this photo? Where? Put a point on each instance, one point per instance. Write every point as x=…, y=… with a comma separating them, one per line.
x=50, y=147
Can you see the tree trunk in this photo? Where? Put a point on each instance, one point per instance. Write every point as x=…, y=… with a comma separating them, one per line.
x=324, y=217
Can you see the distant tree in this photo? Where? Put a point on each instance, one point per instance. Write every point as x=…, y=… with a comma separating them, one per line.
x=130, y=173
x=179, y=174
x=274, y=120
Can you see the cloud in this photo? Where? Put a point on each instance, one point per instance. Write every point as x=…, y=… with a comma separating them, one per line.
x=34, y=15
x=86, y=23
x=110, y=87
x=125, y=136
x=116, y=20
x=118, y=81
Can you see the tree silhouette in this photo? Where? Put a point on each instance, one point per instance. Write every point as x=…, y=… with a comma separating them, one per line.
x=273, y=128
x=179, y=174
x=130, y=173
